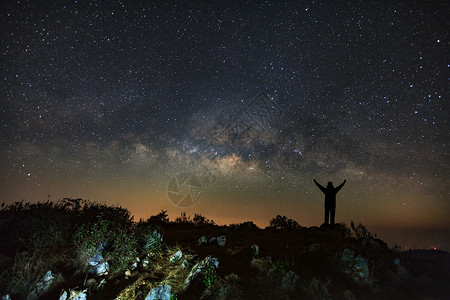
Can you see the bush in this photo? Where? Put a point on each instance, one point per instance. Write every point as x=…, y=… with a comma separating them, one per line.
x=283, y=223
x=183, y=219
x=159, y=219
x=360, y=231
x=22, y=276
x=248, y=225
x=120, y=239
x=346, y=231
x=67, y=232
x=200, y=220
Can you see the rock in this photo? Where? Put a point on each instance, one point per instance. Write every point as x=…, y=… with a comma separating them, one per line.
x=42, y=286
x=185, y=264
x=262, y=265
x=176, y=256
x=100, y=269
x=348, y=295
x=356, y=267
x=63, y=296
x=254, y=250
x=135, y=264
x=145, y=262
x=74, y=295
x=221, y=240
x=401, y=270
x=97, y=257
x=288, y=281
x=313, y=247
x=232, y=277
x=127, y=273
x=154, y=240
x=347, y=255
x=199, y=269
x=316, y=289
x=161, y=292
x=202, y=240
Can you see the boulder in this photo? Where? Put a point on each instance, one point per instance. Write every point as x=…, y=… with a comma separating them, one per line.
x=98, y=255
x=316, y=289
x=100, y=269
x=176, y=256
x=348, y=295
x=42, y=286
x=313, y=247
x=135, y=264
x=200, y=269
x=356, y=267
x=202, y=240
x=74, y=295
x=221, y=240
x=288, y=281
x=185, y=264
x=161, y=292
x=145, y=262
x=254, y=250
x=98, y=266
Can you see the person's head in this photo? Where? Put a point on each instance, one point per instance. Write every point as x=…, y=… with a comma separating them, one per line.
x=330, y=184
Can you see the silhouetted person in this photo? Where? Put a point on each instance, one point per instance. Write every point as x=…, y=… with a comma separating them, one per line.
x=330, y=200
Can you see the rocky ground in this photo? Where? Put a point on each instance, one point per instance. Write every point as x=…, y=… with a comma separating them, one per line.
x=188, y=261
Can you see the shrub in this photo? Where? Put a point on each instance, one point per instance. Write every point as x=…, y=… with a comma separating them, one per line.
x=21, y=278
x=159, y=219
x=183, y=218
x=346, y=231
x=360, y=231
x=121, y=243
x=200, y=220
x=283, y=223
x=281, y=267
x=209, y=276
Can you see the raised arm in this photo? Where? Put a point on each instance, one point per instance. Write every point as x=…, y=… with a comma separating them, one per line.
x=319, y=186
x=340, y=186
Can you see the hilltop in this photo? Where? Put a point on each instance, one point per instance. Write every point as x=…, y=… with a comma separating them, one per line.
x=77, y=249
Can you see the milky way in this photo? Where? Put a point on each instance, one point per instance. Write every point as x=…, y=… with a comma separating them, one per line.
x=110, y=100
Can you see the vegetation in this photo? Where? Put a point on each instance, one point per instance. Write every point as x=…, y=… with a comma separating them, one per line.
x=63, y=236
x=360, y=231
x=283, y=223
x=209, y=276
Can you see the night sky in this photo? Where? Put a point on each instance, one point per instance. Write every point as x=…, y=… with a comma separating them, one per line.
x=114, y=101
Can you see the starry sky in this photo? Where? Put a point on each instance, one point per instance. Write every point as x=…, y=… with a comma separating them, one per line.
x=113, y=100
